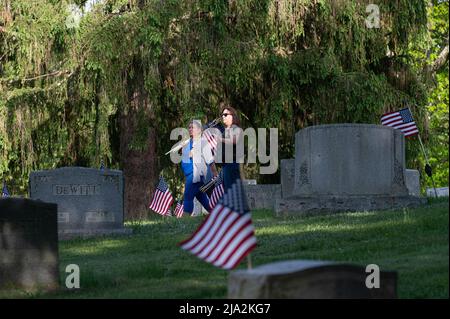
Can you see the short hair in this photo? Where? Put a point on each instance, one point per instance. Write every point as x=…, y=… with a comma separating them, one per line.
x=197, y=123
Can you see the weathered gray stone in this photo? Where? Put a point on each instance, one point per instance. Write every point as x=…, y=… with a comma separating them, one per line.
x=300, y=279
x=287, y=177
x=348, y=167
x=28, y=245
x=307, y=206
x=353, y=159
x=441, y=192
x=249, y=182
x=90, y=201
x=412, y=181
x=262, y=196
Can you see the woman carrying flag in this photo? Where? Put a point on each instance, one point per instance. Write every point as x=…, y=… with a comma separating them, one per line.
x=195, y=159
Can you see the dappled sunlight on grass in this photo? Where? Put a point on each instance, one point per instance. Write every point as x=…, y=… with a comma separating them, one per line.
x=150, y=264
x=87, y=247
x=342, y=225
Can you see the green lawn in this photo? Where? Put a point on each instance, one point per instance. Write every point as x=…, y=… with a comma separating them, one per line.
x=149, y=264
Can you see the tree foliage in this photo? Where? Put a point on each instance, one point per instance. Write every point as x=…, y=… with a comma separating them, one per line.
x=283, y=63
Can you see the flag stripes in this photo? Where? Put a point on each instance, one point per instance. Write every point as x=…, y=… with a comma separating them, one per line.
x=179, y=210
x=401, y=120
x=216, y=195
x=162, y=198
x=212, y=140
x=227, y=235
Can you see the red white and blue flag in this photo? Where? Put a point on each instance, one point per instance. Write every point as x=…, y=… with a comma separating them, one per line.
x=211, y=136
x=217, y=192
x=162, y=198
x=227, y=235
x=179, y=210
x=401, y=120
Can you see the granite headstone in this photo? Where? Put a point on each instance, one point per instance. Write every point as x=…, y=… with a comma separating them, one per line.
x=90, y=201
x=300, y=279
x=28, y=245
x=348, y=167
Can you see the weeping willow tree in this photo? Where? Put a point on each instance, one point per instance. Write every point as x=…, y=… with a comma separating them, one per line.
x=85, y=81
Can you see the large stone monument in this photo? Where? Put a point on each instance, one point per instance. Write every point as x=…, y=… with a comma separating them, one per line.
x=28, y=245
x=348, y=167
x=303, y=279
x=90, y=201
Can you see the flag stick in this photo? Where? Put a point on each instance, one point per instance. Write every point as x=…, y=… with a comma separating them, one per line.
x=249, y=261
x=428, y=163
x=425, y=154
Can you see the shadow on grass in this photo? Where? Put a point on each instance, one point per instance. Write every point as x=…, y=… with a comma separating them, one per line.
x=149, y=264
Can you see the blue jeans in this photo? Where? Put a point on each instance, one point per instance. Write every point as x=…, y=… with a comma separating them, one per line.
x=191, y=191
x=230, y=174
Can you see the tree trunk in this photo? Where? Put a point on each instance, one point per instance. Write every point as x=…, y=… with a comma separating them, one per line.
x=138, y=158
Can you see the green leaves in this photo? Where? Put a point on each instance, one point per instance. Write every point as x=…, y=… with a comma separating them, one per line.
x=286, y=64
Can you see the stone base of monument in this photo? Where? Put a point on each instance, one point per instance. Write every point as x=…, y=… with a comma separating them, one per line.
x=68, y=234
x=28, y=245
x=300, y=279
x=262, y=196
x=334, y=204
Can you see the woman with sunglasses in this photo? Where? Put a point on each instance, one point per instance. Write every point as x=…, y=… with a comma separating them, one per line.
x=229, y=139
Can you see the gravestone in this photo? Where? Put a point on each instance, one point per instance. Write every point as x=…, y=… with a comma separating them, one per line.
x=28, y=245
x=412, y=181
x=287, y=177
x=441, y=192
x=348, y=167
x=90, y=201
x=262, y=196
x=300, y=279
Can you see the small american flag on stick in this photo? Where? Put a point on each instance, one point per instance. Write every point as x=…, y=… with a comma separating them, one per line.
x=211, y=136
x=227, y=235
x=162, y=198
x=217, y=192
x=179, y=209
x=401, y=120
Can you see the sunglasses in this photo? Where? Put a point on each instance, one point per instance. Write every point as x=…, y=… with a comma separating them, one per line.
x=226, y=114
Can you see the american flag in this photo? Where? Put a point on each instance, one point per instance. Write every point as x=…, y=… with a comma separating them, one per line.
x=162, y=199
x=211, y=136
x=5, y=192
x=179, y=209
x=217, y=192
x=401, y=120
x=227, y=235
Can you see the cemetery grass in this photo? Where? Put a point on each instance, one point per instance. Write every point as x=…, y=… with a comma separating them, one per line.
x=149, y=264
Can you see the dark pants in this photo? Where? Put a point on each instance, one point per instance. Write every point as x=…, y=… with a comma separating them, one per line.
x=230, y=174
x=191, y=191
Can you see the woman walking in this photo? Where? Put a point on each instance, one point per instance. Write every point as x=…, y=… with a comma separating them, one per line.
x=231, y=137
